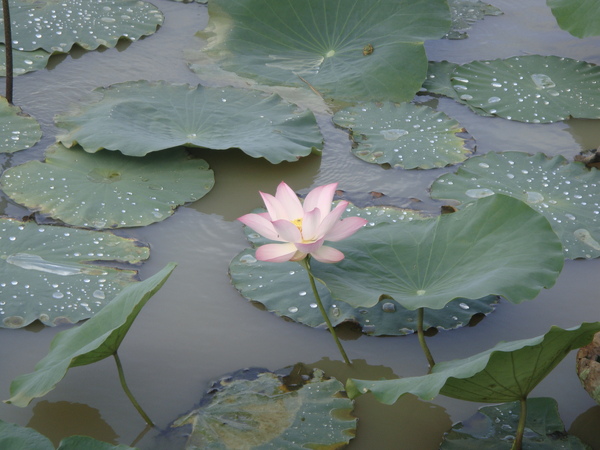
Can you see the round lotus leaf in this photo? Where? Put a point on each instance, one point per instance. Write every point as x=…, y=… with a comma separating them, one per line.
x=253, y=408
x=566, y=193
x=578, y=17
x=532, y=88
x=284, y=288
x=405, y=135
x=108, y=189
x=140, y=117
x=349, y=50
x=55, y=25
x=51, y=273
x=18, y=131
x=24, y=62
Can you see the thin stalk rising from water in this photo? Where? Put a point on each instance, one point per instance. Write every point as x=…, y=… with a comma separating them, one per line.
x=306, y=264
x=8, y=51
x=421, y=335
x=128, y=392
x=518, y=443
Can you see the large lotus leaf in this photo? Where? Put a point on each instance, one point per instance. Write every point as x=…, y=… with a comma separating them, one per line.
x=14, y=437
x=578, y=17
x=256, y=409
x=50, y=273
x=566, y=193
x=283, y=288
x=140, y=117
x=55, y=25
x=348, y=50
x=471, y=253
x=464, y=13
x=92, y=341
x=18, y=131
x=507, y=372
x=588, y=367
x=108, y=189
x=24, y=62
x=532, y=88
x=405, y=135
x=494, y=428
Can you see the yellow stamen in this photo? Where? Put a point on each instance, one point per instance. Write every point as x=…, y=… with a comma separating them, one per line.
x=298, y=223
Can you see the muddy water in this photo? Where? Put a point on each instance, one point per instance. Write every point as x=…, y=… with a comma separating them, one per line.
x=198, y=327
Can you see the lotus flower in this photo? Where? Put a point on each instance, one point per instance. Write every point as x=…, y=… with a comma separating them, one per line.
x=302, y=228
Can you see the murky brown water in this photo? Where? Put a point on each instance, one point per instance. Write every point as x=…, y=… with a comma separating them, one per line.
x=198, y=327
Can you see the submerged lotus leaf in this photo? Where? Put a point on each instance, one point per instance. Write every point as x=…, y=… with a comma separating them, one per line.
x=55, y=25
x=18, y=131
x=566, y=193
x=406, y=135
x=51, y=273
x=470, y=253
x=283, y=288
x=258, y=409
x=507, y=372
x=578, y=17
x=348, y=50
x=24, y=62
x=140, y=117
x=492, y=428
x=532, y=88
x=464, y=13
x=108, y=189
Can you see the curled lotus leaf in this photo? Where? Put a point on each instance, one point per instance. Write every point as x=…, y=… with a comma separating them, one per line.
x=588, y=367
x=566, y=193
x=55, y=25
x=18, y=131
x=531, y=88
x=54, y=274
x=140, y=117
x=406, y=135
x=578, y=17
x=108, y=189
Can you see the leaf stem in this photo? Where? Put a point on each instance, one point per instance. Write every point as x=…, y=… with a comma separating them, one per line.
x=8, y=51
x=518, y=443
x=128, y=392
x=306, y=264
x=421, y=335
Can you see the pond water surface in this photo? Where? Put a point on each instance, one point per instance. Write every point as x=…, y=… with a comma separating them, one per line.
x=198, y=327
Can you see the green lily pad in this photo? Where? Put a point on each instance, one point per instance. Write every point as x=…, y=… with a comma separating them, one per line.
x=532, y=88
x=92, y=341
x=507, y=372
x=108, y=189
x=50, y=273
x=140, y=117
x=466, y=12
x=494, y=427
x=283, y=288
x=566, y=193
x=258, y=409
x=471, y=253
x=55, y=25
x=18, y=131
x=405, y=135
x=24, y=62
x=350, y=51
x=578, y=17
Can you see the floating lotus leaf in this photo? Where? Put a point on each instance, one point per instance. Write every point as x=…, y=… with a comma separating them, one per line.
x=348, y=50
x=49, y=273
x=566, y=193
x=492, y=427
x=18, y=131
x=140, y=117
x=92, y=341
x=55, y=25
x=588, y=367
x=471, y=253
x=283, y=288
x=578, y=17
x=533, y=88
x=464, y=13
x=405, y=135
x=24, y=62
x=258, y=409
x=14, y=437
x=108, y=189
x=507, y=372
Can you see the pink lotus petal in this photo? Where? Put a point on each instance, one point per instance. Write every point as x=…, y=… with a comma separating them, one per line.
x=345, y=228
x=274, y=207
x=287, y=231
x=330, y=220
x=309, y=247
x=320, y=197
x=261, y=225
x=328, y=254
x=276, y=252
x=310, y=224
x=298, y=256
x=290, y=202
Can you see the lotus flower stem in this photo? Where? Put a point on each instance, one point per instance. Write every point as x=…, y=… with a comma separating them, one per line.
x=306, y=264
x=421, y=335
x=518, y=443
x=128, y=392
x=8, y=51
